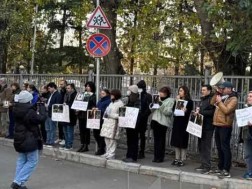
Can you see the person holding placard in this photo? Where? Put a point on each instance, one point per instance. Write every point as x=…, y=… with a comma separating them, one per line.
x=68, y=128
x=50, y=125
x=90, y=97
x=132, y=134
x=179, y=138
x=226, y=101
x=110, y=129
x=205, y=142
x=102, y=104
x=162, y=119
x=246, y=135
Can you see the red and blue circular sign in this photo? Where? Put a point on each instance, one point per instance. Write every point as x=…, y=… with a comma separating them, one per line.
x=98, y=45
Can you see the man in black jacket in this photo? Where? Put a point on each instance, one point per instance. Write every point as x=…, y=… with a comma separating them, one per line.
x=205, y=142
x=50, y=125
x=27, y=138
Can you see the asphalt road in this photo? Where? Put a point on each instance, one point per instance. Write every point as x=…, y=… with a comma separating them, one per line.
x=53, y=174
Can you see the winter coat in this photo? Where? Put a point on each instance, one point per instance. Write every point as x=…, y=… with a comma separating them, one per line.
x=225, y=110
x=5, y=94
x=164, y=115
x=35, y=99
x=102, y=104
x=179, y=137
x=110, y=125
x=62, y=94
x=69, y=99
x=27, y=122
x=207, y=110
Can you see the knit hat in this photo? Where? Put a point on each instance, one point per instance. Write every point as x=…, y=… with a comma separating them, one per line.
x=24, y=97
x=133, y=88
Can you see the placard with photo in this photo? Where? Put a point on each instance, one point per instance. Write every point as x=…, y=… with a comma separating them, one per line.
x=155, y=101
x=60, y=113
x=93, y=119
x=81, y=102
x=128, y=117
x=180, y=107
x=195, y=124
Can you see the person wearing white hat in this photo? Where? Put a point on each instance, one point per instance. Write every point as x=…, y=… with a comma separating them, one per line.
x=27, y=138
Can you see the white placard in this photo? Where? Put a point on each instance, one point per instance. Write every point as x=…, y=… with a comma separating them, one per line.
x=243, y=116
x=80, y=102
x=128, y=117
x=60, y=113
x=93, y=119
x=16, y=98
x=195, y=124
x=180, y=106
x=155, y=101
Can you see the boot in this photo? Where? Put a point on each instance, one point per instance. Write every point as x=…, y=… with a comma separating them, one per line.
x=141, y=155
x=85, y=148
x=81, y=148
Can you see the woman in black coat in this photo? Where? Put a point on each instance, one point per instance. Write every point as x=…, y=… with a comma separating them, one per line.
x=179, y=138
x=89, y=96
x=27, y=138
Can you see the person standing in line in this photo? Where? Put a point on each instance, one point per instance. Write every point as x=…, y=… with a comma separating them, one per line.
x=132, y=134
x=62, y=85
x=247, y=138
x=205, y=142
x=15, y=91
x=5, y=96
x=69, y=127
x=226, y=101
x=110, y=129
x=102, y=104
x=26, y=138
x=50, y=125
x=162, y=119
x=90, y=97
x=35, y=93
x=141, y=127
x=179, y=137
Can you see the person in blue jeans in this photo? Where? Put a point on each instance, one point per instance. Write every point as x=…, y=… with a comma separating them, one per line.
x=247, y=137
x=49, y=124
x=68, y=128
x=27, y=138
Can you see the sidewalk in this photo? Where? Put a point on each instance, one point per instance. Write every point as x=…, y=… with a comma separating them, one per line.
x=146, y=167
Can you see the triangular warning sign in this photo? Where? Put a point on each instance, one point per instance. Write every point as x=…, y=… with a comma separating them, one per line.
x=98, y=20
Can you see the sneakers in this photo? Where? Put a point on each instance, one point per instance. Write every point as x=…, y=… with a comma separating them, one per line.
x=63, y=142
x=200, y=168
x=217, y=172
x=16, y=186
x=129, y=160
x=180, y=163
x=224, y=174
x=247, y=176
x=205, y=171
x=175, y=162
x=57, y=141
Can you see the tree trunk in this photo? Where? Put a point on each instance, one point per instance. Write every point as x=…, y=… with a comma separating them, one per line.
x=62, y=33
x=3, y=26
x=113, y=60
x=80, y=49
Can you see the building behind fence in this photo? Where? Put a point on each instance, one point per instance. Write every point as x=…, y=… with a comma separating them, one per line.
x=194, y=83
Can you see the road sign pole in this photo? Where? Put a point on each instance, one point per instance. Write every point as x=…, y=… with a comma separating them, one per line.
x=97, y=68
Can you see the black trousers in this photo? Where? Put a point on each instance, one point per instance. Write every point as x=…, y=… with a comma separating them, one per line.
x=100, y=140
x=43, y=131
x=205, y=146
x=84, y=132
x=222, y=139
x=61, y=132
x=159, y=132
x=132, y=143
x=141, y=134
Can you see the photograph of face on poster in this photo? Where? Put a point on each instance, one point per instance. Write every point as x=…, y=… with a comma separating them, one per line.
x=155, y=98
x=58, y=108
x=80, y=97
x=94, y=114
x=122, y=111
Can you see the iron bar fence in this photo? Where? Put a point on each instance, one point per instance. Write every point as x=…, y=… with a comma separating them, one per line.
x=242, y=84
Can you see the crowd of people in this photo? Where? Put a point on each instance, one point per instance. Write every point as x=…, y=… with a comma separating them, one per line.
x=30, y=113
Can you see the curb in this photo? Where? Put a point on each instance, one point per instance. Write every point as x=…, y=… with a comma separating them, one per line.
x=170, y=174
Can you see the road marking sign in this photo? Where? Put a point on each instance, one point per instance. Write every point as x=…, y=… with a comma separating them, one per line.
x=98, y=20
x=98, y=45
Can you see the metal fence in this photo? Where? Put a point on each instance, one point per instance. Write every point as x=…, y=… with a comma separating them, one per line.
x=242, y=85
